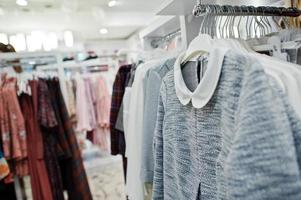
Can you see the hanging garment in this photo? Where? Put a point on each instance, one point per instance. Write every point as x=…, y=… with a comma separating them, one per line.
x=71, y=100
x=117, y=137
x=126, y=101
x=13, y=130
x=102, y=108
x=91, y=101
x=63, y=146
x=4, y=127
x=84, y=106
x=119, y=125
x=286, y=74
x=49, y=124
x=103, y=102
x=152, y=84
x=134, y=186
x=223, y=149
x=73, y=172
x=40, y=181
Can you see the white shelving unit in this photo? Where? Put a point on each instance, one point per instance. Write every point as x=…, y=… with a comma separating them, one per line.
x=176, y=7
x=173, y=15
x=161, y=27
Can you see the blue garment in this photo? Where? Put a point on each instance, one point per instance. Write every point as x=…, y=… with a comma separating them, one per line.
x=244, y=144
x=152, y=85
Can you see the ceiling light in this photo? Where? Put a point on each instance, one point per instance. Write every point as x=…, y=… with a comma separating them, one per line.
x=22, y=2
x=103, y=31
x=112, y=3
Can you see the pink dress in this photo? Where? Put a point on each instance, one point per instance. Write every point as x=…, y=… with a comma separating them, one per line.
x=86, y=120
x=103, y=107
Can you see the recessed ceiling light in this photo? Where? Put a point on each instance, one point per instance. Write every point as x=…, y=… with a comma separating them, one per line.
x=22, y=2
x=112, y=3
x=103, y=31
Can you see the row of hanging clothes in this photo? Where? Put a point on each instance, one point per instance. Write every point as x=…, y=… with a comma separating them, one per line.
x=228, y=120
x=88, y=99
x=127, y=105
x=89, y=103
x=220, y=120
x=39, y=151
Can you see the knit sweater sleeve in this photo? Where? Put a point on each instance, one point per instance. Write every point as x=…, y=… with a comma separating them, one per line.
x=262, y=162
x=158, y=186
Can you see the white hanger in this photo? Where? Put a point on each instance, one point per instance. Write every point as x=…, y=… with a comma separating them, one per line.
x=200, y=45
x=276, y=43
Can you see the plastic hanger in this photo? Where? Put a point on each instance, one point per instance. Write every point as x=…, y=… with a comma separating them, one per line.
x=203, y=43
x=200, y=45
x=277, y=47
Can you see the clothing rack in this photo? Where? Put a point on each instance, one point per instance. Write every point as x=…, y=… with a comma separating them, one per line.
x=156, y=42
x=56, y=55
x=73, y=64
x=27, y=55
x=226, y=10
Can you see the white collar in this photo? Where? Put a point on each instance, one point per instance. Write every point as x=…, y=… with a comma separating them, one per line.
x=205, y=90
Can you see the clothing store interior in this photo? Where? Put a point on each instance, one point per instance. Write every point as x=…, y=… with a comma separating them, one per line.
x=150, y=99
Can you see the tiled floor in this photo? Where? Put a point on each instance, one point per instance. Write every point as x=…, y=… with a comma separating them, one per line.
x=106, y=178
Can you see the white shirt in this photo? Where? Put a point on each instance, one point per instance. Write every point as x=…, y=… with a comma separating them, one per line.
x=133, y=132
x=126, y=106
x=287, y=75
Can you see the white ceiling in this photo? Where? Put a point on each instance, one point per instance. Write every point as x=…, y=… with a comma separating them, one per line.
x=84, y=17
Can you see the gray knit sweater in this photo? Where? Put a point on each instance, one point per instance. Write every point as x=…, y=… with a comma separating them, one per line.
x=152, y=84
x=244, y=144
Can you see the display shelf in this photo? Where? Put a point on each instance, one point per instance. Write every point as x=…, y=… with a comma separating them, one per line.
x=161, y=27
x=176, y=7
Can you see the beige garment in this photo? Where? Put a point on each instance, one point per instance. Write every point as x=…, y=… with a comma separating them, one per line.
x=27, y=187
x=71, y=106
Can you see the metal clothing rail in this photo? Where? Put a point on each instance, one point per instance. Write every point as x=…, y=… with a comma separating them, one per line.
x=156, y=42
x=226, y=10
x=73, y=65
x=56, y=55
x=27, y=55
